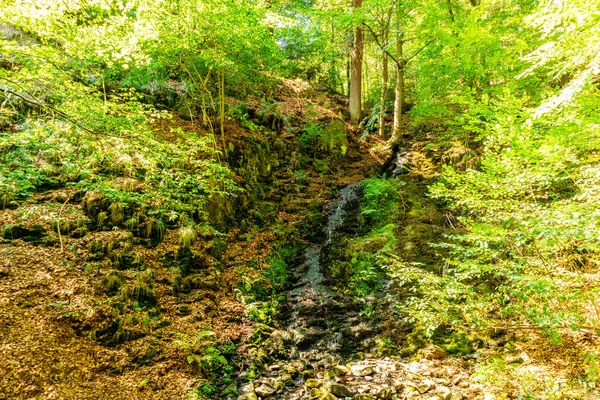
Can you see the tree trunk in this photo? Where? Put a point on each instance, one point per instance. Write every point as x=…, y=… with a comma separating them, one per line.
x=384, y=83
x=356, y=57
x=399, y=100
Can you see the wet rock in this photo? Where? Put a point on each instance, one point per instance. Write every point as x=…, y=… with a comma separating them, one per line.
x=287, y=380
x=312, y=383
x=292, y=371
x=340, y=370
x=308, y=373
x=340, y=390
x=265, y=391
x=361, y=370
x=322, y=394
x=248, y=396
x=363, y=397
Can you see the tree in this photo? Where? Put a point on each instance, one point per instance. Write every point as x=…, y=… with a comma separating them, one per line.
x=356, y=60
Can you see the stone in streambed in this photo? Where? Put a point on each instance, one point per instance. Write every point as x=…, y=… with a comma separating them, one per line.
x=340, y=370
x=363, y=397
x=248, y=396
x=265, y=391
x=340, y=390
x=312, y=383
x=361, y=370
x=444, y=392
x=384, y=393
x=308, y=373
x=322, y=394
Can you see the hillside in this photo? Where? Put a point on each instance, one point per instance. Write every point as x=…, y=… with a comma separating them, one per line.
x=299, y=200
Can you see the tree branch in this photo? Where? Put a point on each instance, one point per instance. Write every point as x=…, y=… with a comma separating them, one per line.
x=56, y=111
x=418, y=51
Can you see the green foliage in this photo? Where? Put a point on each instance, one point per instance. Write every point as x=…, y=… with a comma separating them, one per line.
x=133, y=170
x=273, y=279
x=210, y=358
x=311, y=132
x=381, y=199
x=529, y=218
x=266, y=312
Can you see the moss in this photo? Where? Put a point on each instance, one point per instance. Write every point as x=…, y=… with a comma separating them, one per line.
x=456, y=342
x=112, y=283
x=141, y=291
x=415, y=341
x=117, y=212
x=101, y=219
x=217, y=248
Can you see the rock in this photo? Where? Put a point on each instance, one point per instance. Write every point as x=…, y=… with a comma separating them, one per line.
x=340, y=370
x=363, y=397
x=248, y=388
x=434, y=352
x=425, y=386
x=457, y=396
x=362, y=388
x=384, y=393
x=444, y=392
x=230, y=391
x=340, y=390
x=265, y=391
x=312, y=383
x=287, y=380
x=248, y=396
x=322, y=394
x=308, y=373
x=361, y=370
x=334, y=138
x=522, y=358
x=421, y=387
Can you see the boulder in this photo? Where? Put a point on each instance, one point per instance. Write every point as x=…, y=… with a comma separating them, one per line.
x=340, y=390
x=265, y=391
x=434, y=352
x=340, y=370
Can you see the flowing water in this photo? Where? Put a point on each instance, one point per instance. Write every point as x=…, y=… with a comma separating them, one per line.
x=322, y=327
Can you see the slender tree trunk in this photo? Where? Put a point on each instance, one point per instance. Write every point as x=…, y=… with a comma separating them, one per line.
x=384, y=83
x=356, y=58
x=399, y=100
x=347, y=88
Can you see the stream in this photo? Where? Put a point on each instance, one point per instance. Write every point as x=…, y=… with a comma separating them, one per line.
x=322, y=328
x=326, y=349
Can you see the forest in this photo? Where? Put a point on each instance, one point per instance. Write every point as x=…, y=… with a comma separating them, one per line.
x=300, y=199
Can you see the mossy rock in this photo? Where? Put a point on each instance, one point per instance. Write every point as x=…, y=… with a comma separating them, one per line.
x=185, y=260
x=112, y=282
x=32, y=234
x=140, y=292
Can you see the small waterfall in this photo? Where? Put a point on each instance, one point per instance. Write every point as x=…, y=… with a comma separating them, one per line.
x=343, y=219
x=315, y=309
x=322, y=327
